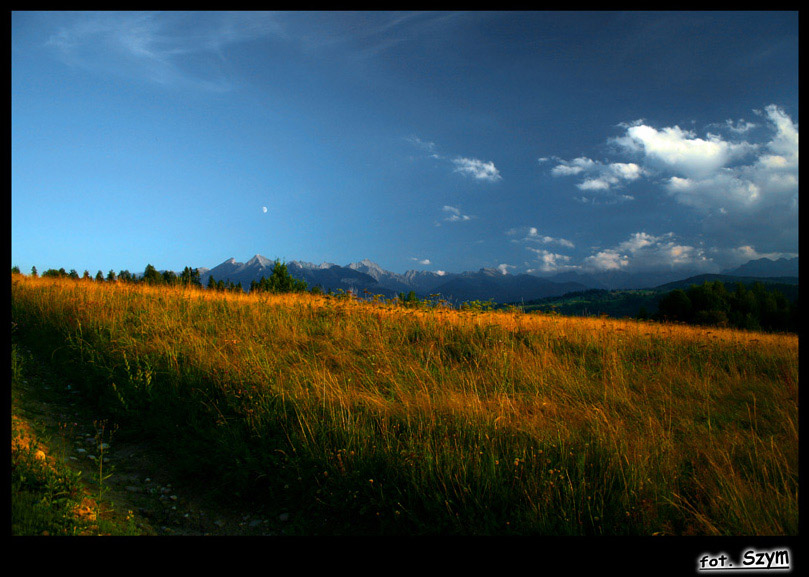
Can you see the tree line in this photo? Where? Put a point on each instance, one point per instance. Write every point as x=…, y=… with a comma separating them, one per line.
x=280, y=281
x=711, y=303
x=189, y=276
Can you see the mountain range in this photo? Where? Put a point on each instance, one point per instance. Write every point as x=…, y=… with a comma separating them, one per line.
x=367, y=277
x=766, y=267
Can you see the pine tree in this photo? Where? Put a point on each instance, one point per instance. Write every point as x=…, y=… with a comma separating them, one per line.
x=151, y=276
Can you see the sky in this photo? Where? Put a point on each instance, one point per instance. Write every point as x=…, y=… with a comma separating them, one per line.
x=531, y=142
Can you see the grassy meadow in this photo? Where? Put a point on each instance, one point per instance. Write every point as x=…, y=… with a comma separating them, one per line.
x=379, y=419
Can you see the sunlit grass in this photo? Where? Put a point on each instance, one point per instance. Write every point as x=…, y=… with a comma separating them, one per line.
x=437, y=420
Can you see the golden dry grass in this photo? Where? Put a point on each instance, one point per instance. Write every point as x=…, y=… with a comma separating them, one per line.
x=669, y=428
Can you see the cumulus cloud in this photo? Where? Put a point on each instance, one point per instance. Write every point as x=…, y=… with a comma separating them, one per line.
x=606, y=260
x=643, y=251
x=681, y=150
x=598, y=176
x=478, y=169
x=740, y=179
x=550, y=262
x=785, y=140
x=575, y=166
x=423, y=261
x=722, y=176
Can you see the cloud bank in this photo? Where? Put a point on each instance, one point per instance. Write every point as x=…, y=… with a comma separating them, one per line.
x=705, y=173
x=740, y=181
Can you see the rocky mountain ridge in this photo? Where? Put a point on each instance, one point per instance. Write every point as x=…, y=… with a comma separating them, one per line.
x=367, y=277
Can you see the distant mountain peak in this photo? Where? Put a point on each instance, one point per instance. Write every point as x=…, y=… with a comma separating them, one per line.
x=259, y=260
x=493, y=271
x=364, y=262
x=488, y=282
x=311, y=266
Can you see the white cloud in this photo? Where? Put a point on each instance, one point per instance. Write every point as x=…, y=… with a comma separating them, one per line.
x=263, y=209
x=531, y=234
x=643, y=251
x=735, y=256
x=503, y=268
x=785, y=141
x=705, y=173
x=606, y=260
x=624, y=170
x=575, y=166
x=724, y=189
x=473, y=167
x=740, y=126
x=767, y=184
x=478, y=169
x=681, y=150
x=424, y=145
x=454, y=214
x=550, y=262
x=184, y=49
x=598, y=176
x=743, y=185
x=424, y=261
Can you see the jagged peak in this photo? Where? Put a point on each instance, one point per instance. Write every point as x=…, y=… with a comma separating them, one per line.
x=310, y=265
x=259, y=260
x=366, y=263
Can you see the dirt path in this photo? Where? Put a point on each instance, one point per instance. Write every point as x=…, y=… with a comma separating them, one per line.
x=137, y=478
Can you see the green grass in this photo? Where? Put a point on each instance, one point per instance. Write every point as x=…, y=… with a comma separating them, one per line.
x=48, y=497
x=371, y=418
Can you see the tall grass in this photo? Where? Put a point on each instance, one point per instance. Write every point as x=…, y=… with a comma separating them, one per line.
x=385, y=419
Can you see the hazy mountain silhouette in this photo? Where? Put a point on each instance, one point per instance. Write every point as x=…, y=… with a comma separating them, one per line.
x=492, y=284
x=765, y=267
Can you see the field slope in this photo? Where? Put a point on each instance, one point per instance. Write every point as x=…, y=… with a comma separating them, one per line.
x=383, y=419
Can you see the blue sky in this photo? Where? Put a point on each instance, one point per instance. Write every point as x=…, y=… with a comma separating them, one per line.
x=537, y=142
